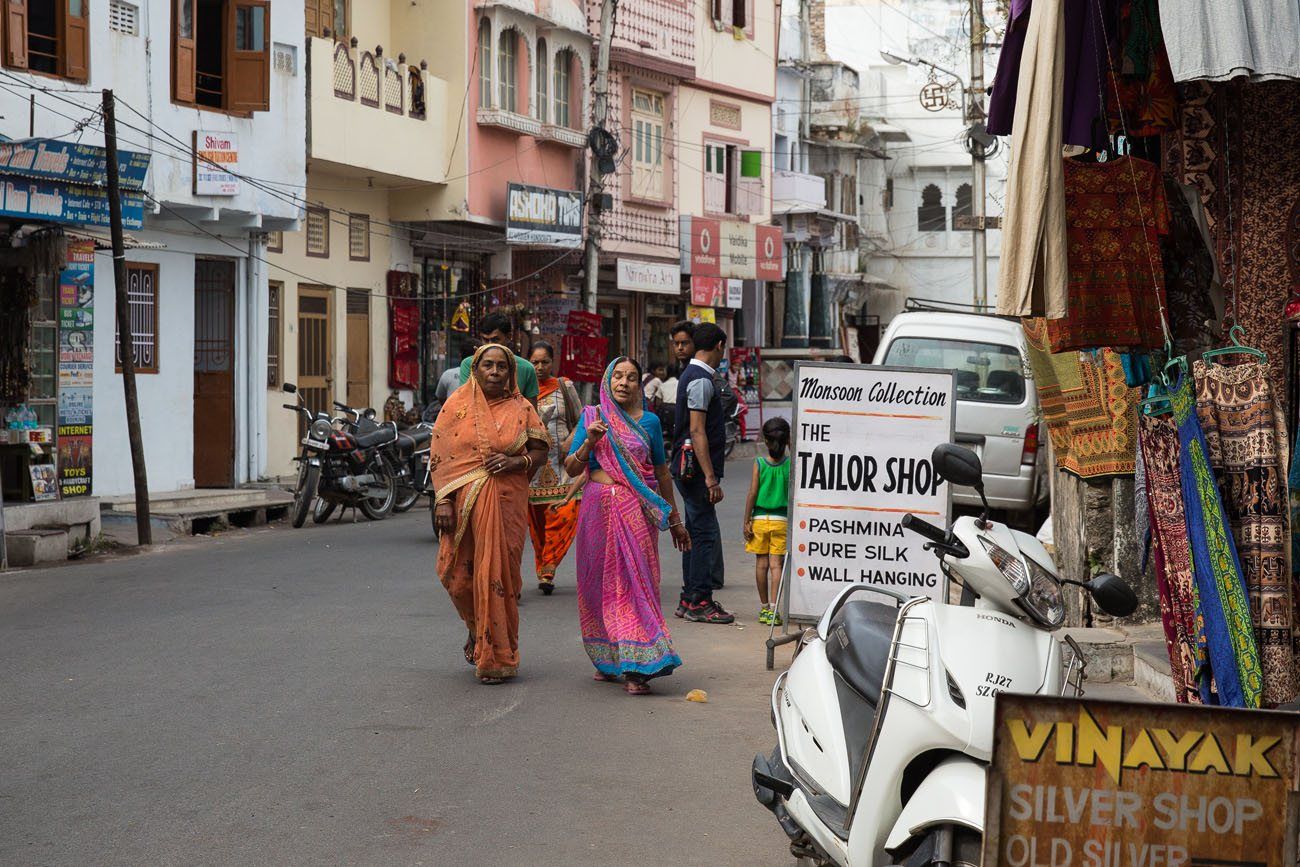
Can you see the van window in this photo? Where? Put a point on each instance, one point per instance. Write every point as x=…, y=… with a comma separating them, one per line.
x=986, y=372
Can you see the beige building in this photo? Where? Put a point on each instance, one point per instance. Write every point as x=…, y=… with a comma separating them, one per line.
x=376, y=155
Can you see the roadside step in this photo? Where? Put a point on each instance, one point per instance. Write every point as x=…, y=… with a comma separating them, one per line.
x=187, y=513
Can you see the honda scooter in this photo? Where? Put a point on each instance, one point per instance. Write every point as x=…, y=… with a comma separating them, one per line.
x=884, y=720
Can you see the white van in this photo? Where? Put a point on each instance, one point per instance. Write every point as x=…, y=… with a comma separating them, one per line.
x=997, y=404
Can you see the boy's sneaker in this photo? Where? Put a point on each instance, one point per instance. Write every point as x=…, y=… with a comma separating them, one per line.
x=681, y=608
x=765, y=616
x=708, y=612
x=774, y=619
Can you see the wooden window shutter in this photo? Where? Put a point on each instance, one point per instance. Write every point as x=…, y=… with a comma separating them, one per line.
x=16, y=33
x=183, y=51
x=326, y=9
x=76, y=36
x=248, y=55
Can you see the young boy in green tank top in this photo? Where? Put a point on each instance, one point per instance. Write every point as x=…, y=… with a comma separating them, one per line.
x=766, y=516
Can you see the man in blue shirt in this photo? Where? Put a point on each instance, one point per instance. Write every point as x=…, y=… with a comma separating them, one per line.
x=701, y=420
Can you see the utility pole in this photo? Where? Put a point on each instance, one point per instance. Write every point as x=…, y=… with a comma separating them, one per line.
x=125, y=344
x=976, y=115
x=596, y=184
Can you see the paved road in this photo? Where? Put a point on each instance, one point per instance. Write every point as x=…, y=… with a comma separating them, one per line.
x=299, y=697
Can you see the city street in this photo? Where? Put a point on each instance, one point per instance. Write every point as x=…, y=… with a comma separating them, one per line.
x=296, y=697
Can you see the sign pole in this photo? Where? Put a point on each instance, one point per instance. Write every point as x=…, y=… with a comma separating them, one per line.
x=125, y=344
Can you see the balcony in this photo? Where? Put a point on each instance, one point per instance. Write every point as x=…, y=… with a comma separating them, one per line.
x=572, y=137
x=797, y=193
x=373, y=116
x=510, y=120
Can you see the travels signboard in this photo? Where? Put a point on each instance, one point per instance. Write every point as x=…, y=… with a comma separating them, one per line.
x=1078, y=783
x=542, y=216
x=54, y=160
x=863, y=436
x=731, y=249
x=216, y=163
x=57, y=202
x=656, y=277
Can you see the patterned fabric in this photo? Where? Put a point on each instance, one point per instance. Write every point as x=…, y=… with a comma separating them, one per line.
x=551, y=484
x=479, y=561
x=1175, y=582
x=623, y=628
x=1224, y=607
x=1189, y=272
x=553, y=527
x=1116, y=213
x=1245, y=437
x=1148, y=99
x=1089, y=409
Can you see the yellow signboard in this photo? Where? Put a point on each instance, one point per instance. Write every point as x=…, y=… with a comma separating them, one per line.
x=1081, y=783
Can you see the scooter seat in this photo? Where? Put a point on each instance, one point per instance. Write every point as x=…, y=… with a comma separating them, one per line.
x=378, y=437
x=858, y=646
x=410, y=440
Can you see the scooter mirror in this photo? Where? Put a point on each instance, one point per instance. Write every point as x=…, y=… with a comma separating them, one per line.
x=958, y=465
x=1113, y=594
x=289, y=388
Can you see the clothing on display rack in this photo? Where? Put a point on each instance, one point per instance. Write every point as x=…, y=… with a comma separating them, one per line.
x=1116, y=213
x=1224, y=607
x=1139, y=74
x=1210, y=39
x=1175, y=582
x=1090, y=412
x=1189, y=276
x=1245, y=437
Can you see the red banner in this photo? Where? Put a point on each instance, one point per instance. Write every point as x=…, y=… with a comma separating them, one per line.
x=584, y=324
x=706, y=240
x=708, y=291
x=403, y=343
x=767, y=252
x=584, y=358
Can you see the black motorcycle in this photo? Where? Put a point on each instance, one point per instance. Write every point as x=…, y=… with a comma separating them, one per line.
x=339, y=467
x=407, y=456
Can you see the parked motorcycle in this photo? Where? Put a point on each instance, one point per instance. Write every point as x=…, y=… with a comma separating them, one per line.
x=406, y=456
x=338, y=467
x=884, y=720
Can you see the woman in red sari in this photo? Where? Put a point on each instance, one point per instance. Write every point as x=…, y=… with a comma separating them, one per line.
x=553, y=513
x=487, y=443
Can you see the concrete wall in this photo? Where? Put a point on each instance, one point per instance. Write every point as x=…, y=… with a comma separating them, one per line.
x=696, y=126
x=390, y=249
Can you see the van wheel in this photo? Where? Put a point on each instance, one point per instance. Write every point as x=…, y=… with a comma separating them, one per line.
x=949, y=846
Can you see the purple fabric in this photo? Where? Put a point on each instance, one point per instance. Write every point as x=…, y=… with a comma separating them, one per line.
x=1085, y=62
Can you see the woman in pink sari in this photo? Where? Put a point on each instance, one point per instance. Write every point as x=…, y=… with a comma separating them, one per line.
x=624, y=508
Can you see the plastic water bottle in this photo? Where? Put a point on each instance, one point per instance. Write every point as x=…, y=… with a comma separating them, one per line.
x=29, y=418
x=11, y=419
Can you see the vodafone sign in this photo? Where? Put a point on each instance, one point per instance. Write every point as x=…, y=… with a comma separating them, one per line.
x=731, y=249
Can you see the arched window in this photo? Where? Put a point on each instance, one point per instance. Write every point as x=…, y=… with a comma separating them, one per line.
x=563, y=65
x=965, y=204
x=506, y=70
x=931, y=216
x=485, y=64
x=543, y=82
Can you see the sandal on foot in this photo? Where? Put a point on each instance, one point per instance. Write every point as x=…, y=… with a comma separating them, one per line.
x=636, y=687
x=602, y=677
x=491, y=681
x=546, y=585
x=469, y=650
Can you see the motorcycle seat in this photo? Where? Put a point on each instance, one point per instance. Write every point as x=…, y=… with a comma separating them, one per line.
x=378, y=437
x=409, y=441
x=861, y=634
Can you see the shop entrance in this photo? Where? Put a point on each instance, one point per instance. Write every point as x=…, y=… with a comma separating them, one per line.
x=358, y=348
x=315, y=347
x=214, y=373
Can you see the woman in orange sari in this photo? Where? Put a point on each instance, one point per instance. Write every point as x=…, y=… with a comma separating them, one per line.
x=553, y=511
x=487, y=443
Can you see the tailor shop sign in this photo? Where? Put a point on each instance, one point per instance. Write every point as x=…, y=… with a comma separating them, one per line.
x=731, y=249
x=1083, y=783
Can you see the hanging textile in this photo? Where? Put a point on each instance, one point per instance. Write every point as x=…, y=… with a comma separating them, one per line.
x=1139, y=75
x=1116, y=212
x=1245, y=437
x=1084, y=59
x=1173, y=556
x=1189, y=273
x=1224, y=608
x=1293, y=487
x=1033, y=272
x=1090, y=412
x=1210, y=39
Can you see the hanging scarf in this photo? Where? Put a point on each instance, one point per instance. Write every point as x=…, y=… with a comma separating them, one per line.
x=1221, y=590
x=624, y=452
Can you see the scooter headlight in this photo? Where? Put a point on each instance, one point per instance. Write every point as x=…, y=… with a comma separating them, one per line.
x=1044, y=600
x=1011, y=567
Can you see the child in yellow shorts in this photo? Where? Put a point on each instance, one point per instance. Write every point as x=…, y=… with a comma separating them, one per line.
x=766, y=516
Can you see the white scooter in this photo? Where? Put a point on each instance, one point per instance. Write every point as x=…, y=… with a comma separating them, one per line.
x=884, y=720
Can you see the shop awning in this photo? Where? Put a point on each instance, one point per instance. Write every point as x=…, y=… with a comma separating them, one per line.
x=104, y=241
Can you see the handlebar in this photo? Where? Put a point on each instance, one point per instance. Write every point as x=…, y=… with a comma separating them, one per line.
x=922, y=527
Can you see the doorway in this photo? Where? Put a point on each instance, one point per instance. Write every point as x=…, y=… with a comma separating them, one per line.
x=214, y=373
x=315, y=347
x=358, y=348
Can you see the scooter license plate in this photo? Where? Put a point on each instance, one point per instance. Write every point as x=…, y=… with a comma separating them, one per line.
x=315, y=444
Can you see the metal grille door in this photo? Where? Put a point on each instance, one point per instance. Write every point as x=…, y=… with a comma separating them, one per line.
x=315, y=355
x=214, y=373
